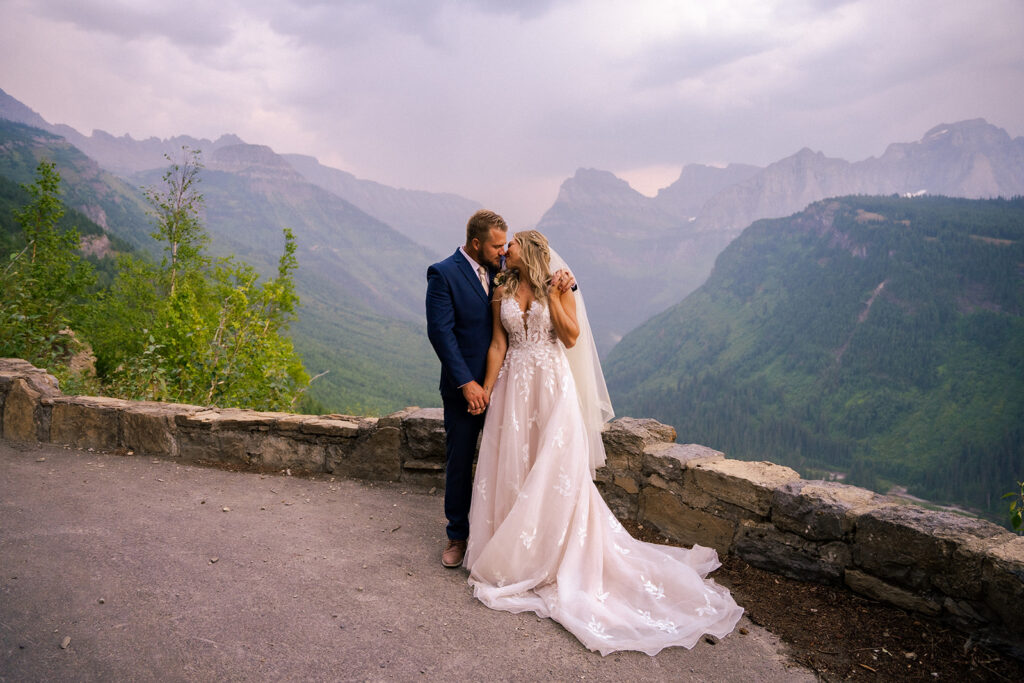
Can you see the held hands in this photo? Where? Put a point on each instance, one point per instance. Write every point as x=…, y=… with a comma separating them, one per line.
x=562, y=280
x=476, y=397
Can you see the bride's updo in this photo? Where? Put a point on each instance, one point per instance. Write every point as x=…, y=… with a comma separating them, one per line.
x=536, y=258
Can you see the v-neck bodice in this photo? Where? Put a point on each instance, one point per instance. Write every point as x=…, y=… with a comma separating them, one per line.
x=532, y=326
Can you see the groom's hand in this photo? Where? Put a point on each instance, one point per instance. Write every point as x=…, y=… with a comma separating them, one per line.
x=476, y=397
x=563, y=281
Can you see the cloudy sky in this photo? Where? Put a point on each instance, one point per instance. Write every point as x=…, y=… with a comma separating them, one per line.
x=500, y=101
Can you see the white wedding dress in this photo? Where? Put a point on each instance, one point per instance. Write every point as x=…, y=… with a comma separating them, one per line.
x=542, y=538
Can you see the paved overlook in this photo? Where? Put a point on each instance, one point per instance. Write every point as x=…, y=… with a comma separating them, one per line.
x=137, y=568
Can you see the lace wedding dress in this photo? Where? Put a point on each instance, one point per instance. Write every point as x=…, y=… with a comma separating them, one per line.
x=541, y=537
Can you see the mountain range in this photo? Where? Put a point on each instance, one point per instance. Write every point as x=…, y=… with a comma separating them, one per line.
x=880, y=337
x=364, y=246
x=435, y=221
x=638, y=255
x=119, y=155
x=110, y=202
x=360, y=316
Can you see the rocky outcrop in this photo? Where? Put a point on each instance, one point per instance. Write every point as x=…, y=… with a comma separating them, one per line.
x=966, y=570
x=698, y=183
x=253, y=161
x=23, y=415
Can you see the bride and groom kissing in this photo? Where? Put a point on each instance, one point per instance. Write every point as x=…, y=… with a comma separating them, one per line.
x=520, y=372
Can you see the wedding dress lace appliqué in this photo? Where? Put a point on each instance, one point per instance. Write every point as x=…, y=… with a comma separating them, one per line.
x=542, y=538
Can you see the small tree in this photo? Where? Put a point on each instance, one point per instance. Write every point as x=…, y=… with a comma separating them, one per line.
x=176, y=208
x=190, y=332
x=41, y=285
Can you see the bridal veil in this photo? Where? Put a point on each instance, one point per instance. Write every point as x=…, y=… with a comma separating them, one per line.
x=585, y=365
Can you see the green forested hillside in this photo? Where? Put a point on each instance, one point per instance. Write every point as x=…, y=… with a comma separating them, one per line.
x=13, y=197
x=878, y=337
x=360, y=283
x=108, y=201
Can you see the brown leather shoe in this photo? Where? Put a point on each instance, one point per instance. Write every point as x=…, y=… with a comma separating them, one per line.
x=453, y=554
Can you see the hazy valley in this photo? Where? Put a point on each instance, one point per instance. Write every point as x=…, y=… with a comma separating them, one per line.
x=877, y=336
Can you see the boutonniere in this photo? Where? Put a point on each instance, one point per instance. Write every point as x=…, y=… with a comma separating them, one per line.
x=501, y=278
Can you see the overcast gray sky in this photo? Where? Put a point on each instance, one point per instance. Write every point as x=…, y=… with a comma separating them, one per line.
x=502, y=101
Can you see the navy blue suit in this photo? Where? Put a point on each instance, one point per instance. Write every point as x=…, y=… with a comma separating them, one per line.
x=459, y=328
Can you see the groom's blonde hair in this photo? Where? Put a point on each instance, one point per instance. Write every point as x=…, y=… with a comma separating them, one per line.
x=536, y=258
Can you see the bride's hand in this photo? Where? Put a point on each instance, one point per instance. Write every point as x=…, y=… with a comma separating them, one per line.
x=487, y=402
x=562, y=281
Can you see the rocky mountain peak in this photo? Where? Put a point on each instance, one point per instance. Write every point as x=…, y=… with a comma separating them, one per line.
x=697, y=183
x=13, y=110
x=973, y=132
x=968, y=158
x=254, y=161
x=228, y=139
x=589, y=186
x=805, y=156
x=974, y=135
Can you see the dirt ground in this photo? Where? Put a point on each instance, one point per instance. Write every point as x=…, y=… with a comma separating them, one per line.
x=843, y=636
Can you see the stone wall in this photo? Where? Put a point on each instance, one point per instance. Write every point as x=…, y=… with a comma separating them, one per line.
x=938, y=563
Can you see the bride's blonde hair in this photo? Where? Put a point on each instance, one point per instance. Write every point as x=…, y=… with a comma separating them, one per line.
x=536, y=258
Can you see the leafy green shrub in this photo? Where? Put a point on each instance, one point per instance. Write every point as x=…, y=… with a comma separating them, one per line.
x=42, y=285
x=191, y=331
x=1016, y=506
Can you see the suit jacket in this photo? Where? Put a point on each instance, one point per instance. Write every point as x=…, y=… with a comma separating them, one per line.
x=458, y=321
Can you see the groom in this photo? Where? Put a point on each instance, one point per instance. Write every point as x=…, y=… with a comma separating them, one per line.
x=459, y=323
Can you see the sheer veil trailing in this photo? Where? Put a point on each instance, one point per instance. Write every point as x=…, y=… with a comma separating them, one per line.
x=542, y=539
x=586, y=373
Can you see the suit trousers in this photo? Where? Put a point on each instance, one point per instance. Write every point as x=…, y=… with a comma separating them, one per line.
x=462, y=431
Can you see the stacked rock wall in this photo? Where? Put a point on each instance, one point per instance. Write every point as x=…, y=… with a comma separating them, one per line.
x=937, y=563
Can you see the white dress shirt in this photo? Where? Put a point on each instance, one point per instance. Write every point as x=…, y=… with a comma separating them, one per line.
x=476, y=269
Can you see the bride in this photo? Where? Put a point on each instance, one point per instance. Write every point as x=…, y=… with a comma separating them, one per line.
x=541, y=537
